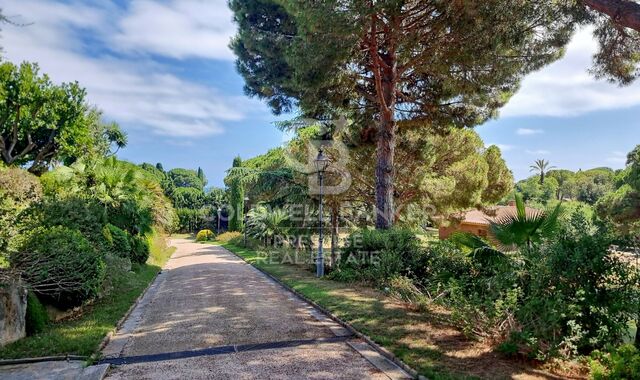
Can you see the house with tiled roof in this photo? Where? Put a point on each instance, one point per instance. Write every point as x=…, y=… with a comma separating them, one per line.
x=478, y=221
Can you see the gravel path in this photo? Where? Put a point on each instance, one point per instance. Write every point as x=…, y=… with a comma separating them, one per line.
x=207, y=297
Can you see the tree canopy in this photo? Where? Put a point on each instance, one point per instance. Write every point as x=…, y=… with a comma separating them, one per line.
x=393, y=63
x=42, y=122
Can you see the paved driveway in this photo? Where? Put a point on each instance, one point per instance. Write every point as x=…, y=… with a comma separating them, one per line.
x=211, y=315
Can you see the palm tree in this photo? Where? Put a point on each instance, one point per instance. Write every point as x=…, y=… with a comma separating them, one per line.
x=541, y=166
x=524, y=227
x=266, y=224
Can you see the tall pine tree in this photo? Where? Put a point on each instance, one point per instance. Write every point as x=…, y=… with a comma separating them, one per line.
x=395, y=63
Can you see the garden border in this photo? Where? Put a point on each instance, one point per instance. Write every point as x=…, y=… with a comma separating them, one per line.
x=381, y=350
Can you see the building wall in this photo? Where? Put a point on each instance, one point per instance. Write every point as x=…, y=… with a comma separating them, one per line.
x=476, y=229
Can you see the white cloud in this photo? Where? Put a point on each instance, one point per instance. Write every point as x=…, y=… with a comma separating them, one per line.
x=541, y=152
x=528, y=131
x=139, y=92
x=565, y=88
x=178, y=29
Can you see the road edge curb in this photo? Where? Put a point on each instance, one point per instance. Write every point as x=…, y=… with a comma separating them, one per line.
x=383, y=351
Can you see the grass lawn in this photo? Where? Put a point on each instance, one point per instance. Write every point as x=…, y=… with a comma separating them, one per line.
x=417, y=338
x=83, y=334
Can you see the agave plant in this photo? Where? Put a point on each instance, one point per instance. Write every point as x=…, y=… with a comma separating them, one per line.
x=525, y=226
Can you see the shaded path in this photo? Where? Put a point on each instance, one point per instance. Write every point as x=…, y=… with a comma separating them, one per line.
x=207, y=297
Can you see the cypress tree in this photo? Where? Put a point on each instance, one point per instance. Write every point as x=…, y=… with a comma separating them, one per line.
x=236, y=217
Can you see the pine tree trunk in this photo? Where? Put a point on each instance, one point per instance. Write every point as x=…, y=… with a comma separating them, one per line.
x=384, y=173
x=384, y=68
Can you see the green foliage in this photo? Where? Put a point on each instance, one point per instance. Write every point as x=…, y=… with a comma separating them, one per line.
x=593, y=184
x=36, y=318
x=267, y=224
x=188, y=197
x=226, y=237
x=532, y=191
x=326, y=59
x=378, y=255
x=617, y=364
x=541, y=166
x=74, y=212
x=622, y=205
x=191, y=220
x=185, y=178
x=577, y=295
x=139, y=249
x=205, y=235
x=18, y=191
x=130, y=197
x=236, y=199
x=154, y=171
x=44, y=122
x=117, y=241
x=82, y=335
x=499, y=177
x=60, y=265
x=525, y=226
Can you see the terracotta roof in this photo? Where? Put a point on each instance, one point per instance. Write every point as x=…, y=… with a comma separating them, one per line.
x=491, y=214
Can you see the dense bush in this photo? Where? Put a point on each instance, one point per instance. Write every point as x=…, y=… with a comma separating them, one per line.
x=18, y=190
x=565, y=296
x=60, y=265
x=577, y=296
x=226, y=237
x=36, y=318
x=191, y=220
x=139, y=249
x=618, y=364
x=74, y=212
x=378, y=255
x=117, y=240
x=205, y=235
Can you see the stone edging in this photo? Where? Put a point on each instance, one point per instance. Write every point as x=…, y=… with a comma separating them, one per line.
x=383, y=351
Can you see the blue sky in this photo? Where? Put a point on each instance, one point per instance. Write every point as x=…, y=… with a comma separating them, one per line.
x=163, y=71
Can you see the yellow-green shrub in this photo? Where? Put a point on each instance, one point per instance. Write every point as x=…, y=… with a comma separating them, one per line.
x=228, y=236
x=205, y=235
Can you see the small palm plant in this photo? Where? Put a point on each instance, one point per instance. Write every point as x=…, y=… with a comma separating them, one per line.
x=266, y=225
x=542, y=167
x=524, y=227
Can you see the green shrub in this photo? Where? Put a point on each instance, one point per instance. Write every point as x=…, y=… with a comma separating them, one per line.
x=117, y=240
x=378, y=255
x=60, y=265
x=73, y=212
x=139, y=249
x=19, y=189
x=36, y=318
x=618, y=364
x=577, y=296
x=205, y=235
x=226, y=237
